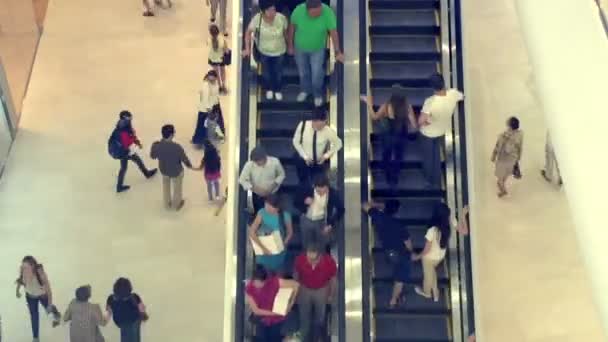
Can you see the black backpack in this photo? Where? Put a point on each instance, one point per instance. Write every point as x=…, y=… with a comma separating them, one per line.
x=115, y=148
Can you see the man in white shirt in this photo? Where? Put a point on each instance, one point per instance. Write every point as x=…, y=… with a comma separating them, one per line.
x=315, y=143
x=263, y=175
x=435, y=120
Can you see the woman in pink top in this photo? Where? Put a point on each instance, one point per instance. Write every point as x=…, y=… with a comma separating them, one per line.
x=261, y=291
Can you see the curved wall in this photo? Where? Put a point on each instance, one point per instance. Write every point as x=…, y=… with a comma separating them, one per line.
x=569, y=52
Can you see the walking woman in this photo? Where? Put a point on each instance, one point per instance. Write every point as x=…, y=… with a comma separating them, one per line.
x=127, y=309
x=260, y=292
x=217, y=49
x=85, y=318
x=269, y=29
x=130, y=143
x=395, y=120
x=507, y=154
x=209, y=101
x=268, y=220
x=437, y=238
x=35, y=281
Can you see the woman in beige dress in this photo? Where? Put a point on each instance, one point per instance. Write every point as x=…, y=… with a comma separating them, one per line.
x=85, y=318
x=507, y=153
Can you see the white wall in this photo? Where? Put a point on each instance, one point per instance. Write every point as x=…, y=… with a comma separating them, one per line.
x=569, y=53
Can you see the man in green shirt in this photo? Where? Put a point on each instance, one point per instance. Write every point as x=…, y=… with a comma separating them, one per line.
x=307, y=40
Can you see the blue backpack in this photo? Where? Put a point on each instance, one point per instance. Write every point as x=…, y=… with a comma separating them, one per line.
x=115, y=148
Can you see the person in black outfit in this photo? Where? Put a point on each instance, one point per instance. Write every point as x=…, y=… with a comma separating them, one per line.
x=322, y=209
x=396, y=242
x=130, y=143
x=127, y=310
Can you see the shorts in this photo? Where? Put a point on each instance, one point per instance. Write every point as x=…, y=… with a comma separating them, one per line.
x=216, y=64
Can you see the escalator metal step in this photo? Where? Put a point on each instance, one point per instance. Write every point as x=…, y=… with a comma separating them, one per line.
x=409, y=180
x=411, y=328
x=415, y=96
x=403, y=4
x=281, y=148
x=403, y=44
x=414, y=211
x=289, y=103
x=277, y=120
x=408, y=74
x=417, y=234
x=383, y=270
x=402, y=22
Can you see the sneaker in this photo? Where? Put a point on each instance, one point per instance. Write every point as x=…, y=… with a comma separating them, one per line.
x=278, y=96
x=223, y=91
x=122, y=188
x=301, y=97
x=181, y=205
x=318, y=101
x=151, y=173
x=420, y=292
x=212, y=20
x=544, y=174
x=148, y=14
x=269, y=95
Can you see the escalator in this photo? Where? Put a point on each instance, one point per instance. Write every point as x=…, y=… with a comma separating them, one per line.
x=404, y=39
x=271, y=124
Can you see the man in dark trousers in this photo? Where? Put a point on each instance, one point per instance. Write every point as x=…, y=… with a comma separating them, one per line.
x=322, y=209
x=171, y=158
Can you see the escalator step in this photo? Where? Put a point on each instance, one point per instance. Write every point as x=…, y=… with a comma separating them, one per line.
x=409, y=180
x=414, y=211
x=403, y=4
x=289, y=103
x=416, y=235
x=281, y=148
x=408, y=74
x=403, y=44
x=408, y=18
x=411, y=328
x=413, y=302
x=276, y=120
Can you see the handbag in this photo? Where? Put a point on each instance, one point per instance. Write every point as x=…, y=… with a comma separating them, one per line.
x=227, y=59
x=517, y=171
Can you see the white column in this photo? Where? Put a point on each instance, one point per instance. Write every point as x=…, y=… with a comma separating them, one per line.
x=569, y=52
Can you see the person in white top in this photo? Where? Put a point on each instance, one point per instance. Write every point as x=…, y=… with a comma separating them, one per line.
x=434, y=121
x=217, y=50
x=263, y=175
x=437, y=238
x=37, y=292
x=209, y=101
x=315, y=142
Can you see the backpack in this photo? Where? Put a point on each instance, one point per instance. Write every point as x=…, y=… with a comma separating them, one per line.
x=115, y=148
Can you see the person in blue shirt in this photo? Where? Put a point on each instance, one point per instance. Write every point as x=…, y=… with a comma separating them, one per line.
x=396, y=242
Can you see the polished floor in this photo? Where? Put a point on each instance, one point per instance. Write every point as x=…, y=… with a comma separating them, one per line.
x=57, y=198
x=532, y=284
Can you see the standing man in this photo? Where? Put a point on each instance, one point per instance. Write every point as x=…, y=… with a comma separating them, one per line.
x=322, y=209
x=315, y=142
x=316, y=273
x=307, y=39
x=434, y=121
x=263, y=175
x=550, y=164
x=171, y=156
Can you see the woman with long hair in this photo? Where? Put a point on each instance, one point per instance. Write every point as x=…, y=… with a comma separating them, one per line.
x=395, y=120
x=127, y=309
x=269, y=219
x=217, y=49
x=209, y=102
x=437, y=239
x=211, y=164
x=507, y=154
x=35, y=281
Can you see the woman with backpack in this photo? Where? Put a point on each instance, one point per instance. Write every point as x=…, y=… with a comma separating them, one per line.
x=268, y=220
x=127, y=309
x=507, y=154
x=123, y=146
x=35, y=281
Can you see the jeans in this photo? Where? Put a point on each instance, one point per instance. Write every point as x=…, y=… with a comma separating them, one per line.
x=172, y=199
x=431, y=158
x=311, y=68
x=269, y=333
x=131, y=332
x=124, y=163
x=272, y=72
x=32, y=305
x=213, y=189
x=312, y=232
x=393, y=147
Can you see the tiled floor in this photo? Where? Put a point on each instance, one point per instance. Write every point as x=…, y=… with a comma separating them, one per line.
x=532, y=284
x=57, y=197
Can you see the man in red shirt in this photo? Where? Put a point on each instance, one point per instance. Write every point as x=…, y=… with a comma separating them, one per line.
x=316, y=273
